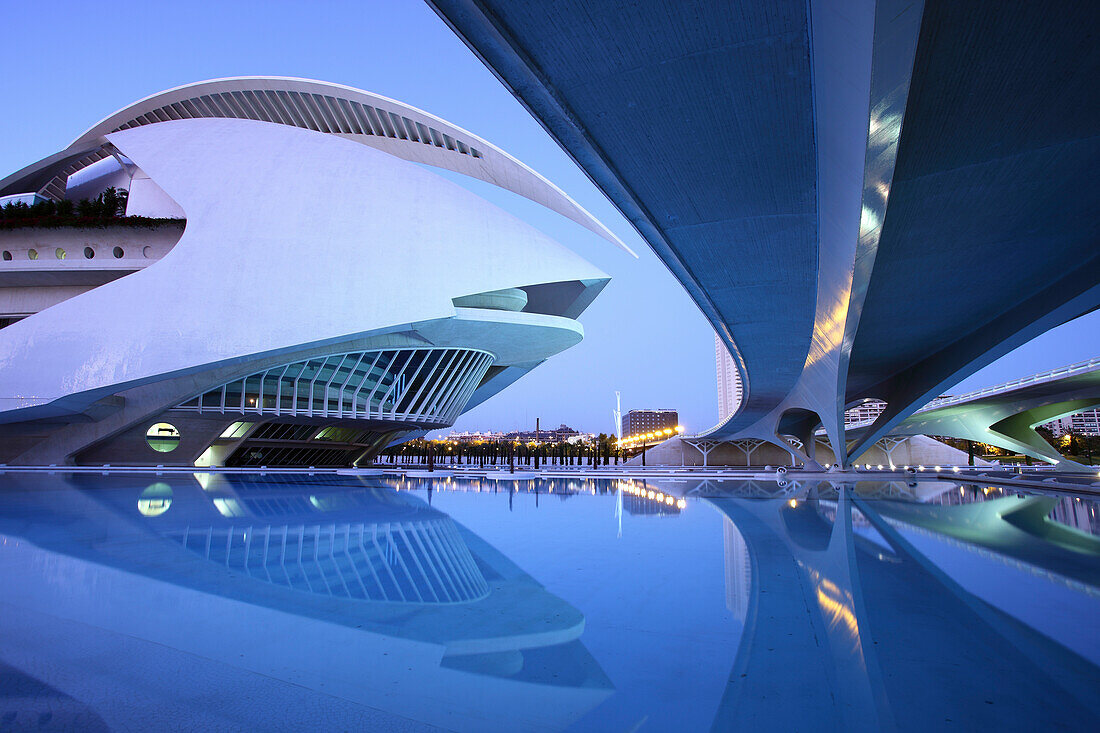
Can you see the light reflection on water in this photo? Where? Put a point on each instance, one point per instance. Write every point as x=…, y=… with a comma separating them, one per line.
x=481, y=604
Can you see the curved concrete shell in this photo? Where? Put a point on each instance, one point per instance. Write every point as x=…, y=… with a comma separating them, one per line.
x=366, y=118
x=302, y=251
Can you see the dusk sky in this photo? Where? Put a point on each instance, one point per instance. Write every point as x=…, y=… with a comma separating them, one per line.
x=70, y=64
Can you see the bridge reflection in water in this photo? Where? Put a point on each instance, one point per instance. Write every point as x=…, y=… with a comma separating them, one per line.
x=224, y=601
x=852, y=621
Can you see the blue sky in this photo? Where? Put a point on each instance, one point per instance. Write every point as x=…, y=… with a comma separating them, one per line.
x=69, y=64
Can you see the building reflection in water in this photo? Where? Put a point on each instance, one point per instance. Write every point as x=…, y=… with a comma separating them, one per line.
x=738, y=570
x=908, y=606
x=873, y=606
x=361, y=592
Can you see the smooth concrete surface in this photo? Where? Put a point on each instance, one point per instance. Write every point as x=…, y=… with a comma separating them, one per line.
x=282, y=229
x=28, y=286
x=840, y=187
x=365, y=118
x=1007, y=416
x=98, y=366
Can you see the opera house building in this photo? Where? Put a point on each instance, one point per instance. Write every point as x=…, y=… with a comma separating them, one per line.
x=286, y=281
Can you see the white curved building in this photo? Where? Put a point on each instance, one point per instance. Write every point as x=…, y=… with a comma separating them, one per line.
x=325, y=296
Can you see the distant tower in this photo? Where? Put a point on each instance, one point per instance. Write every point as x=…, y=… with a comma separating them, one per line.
x=617, y=416
x=729, y=380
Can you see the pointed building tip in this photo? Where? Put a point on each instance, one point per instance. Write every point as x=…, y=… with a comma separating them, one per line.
x=611, y=237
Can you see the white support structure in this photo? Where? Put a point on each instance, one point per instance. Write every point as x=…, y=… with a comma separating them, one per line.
x=704, y=446
x=444, y=379
x=748, y=446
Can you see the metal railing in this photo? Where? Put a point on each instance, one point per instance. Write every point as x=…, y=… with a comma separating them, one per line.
x=1080, y=367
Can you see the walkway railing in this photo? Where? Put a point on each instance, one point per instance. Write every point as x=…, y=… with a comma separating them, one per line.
x=1081, y=367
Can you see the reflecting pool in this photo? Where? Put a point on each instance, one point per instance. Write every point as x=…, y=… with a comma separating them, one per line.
x=330, y=602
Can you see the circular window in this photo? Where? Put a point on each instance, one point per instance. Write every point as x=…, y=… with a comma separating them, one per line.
x=89, y=253
x=60, y=253
x=155, y=500
x=162, y=437
x=32, y=254
x=118, y=253
x=7, y=255
x=147, y=253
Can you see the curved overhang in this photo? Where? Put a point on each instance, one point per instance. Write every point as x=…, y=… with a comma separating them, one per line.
x=98, y=349
x=354, y=114
x=517, y=342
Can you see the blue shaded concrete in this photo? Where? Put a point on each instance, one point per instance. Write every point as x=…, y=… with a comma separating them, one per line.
x=866, y=199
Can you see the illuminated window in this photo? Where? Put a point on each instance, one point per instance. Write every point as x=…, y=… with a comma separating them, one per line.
x=341, y=435
x=203, y=461
x=236, y=430
x=162, y=437
x=59, y=253
x=32, y=254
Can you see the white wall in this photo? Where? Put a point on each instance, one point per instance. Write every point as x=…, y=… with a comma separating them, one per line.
x=293, y=237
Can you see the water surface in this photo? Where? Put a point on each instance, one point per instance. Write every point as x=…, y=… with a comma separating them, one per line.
x=350, y=602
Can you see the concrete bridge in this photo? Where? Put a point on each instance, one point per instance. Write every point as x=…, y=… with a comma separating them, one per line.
x=1006, y=415
x=867, y=200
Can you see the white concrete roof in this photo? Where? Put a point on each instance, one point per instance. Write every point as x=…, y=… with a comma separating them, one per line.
x=354, y=114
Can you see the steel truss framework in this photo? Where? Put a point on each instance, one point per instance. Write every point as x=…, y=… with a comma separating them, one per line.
x=418, y=385
x=402, y=562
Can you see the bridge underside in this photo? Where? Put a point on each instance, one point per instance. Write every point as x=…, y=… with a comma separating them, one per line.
x=866, y=202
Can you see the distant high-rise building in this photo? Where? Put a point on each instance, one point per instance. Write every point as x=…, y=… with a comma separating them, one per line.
x=639, y=422
x=1086, y=422
x=729, y=380
x=864, y=413
x=729, y=391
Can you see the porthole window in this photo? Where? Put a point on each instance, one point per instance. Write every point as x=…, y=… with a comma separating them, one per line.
x=60, y=253
x=89, y=253
x=32, y=254
x=162, y=437
x=118, y=253
x=7, y=255
x=147, y=252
